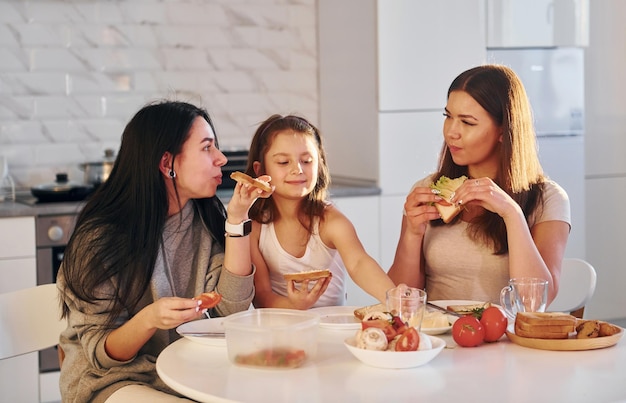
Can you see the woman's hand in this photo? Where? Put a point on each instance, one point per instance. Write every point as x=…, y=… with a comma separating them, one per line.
x=485, y=193
x=170, y=312
x=303, y=298
x=244, y=195
x=419, y=209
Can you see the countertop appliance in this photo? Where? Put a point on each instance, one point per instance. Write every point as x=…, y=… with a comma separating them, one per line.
x=554, y=80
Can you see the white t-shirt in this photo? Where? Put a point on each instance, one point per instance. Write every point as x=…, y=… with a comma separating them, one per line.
x=317, y=256
x=459, y=268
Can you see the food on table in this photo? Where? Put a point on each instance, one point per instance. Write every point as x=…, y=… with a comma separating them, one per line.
x=434, y=320
x=495, y=322
x=372, y=338
x=383, y=331
x=470, y=309
x=467, y=331
x=244, y=178
x=544, y=325
x=587, y=329
x=209, y=299
x=361, y=312
x=445, y=188
x=273, y=357
x=307, y=275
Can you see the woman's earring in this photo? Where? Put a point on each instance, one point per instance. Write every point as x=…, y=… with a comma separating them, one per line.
x=172, y=174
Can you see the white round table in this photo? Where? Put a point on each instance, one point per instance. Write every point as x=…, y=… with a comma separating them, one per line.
x=495, y=372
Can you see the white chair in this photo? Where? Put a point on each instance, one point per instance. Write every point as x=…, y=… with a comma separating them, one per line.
x=578, y=283
x=29, y=320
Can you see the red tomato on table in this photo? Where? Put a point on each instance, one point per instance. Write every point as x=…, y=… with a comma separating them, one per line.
x=494, y=322
x=467, y=331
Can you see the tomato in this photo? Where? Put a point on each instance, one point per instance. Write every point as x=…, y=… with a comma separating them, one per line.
x=382, y=324
x=398, y=324
x=494, y=322
x=209, y=299
x=467, y=331
x=409, y=340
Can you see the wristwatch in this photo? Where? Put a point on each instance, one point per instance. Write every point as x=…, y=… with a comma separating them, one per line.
x=238, y=230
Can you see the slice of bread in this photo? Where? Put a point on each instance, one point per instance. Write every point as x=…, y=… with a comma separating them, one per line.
x=361, y=312
x=469, y=308
x=447, y=211
x=544, y=325
x=307, y=275
x=588, y=329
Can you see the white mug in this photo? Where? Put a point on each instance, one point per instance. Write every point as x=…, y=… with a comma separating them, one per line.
x=525, y=294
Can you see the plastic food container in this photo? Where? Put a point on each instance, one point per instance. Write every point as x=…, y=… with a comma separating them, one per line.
x=271, y=337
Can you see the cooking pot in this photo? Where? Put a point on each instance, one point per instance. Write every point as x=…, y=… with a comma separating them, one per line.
x=61, y=189
x=98, y=172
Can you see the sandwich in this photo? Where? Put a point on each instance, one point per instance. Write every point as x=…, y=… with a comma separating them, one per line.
x=244, y=178
x=469, y=309
x=361, y=313
x=445, y=188
x=307, y=275
x=544, y=325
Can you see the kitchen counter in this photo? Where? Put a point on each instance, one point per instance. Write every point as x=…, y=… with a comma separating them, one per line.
x=25, y=206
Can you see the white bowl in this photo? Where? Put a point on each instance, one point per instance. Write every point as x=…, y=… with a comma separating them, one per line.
x=396, y=359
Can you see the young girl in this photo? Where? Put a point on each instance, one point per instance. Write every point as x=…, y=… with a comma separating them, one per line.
x=297, y=229
x=514, y=221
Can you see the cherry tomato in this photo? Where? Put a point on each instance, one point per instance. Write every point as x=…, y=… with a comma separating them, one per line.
x=209, y=299
x=386, y=327
x=468, y=332
x=409, y=340
x=494, y=322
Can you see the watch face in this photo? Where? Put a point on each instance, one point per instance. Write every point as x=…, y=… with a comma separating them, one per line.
x=247, y=227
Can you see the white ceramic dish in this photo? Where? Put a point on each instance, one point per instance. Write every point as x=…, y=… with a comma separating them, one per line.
x=195, y=328
x=433, y=331
x=338, y=317
x=396, y=359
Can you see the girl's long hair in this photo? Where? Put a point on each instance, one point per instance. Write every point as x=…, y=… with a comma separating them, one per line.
x=117, y=236
x=501, y=93
x=264, y=210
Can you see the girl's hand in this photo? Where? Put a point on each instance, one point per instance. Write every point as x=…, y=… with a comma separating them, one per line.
x=485, y=193
x=419, y=209
x=303, y=298
x=170, y=312
x=244, y=195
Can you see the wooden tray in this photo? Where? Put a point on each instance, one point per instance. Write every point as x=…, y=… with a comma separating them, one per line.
x=565, y=344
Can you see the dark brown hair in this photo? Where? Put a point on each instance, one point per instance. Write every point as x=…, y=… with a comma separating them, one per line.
x=264, y=210
x=501, y=93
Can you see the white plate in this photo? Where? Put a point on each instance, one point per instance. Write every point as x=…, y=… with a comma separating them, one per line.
x=433, y=331
x=396, y=359
x=338, y=317
x=212, y=325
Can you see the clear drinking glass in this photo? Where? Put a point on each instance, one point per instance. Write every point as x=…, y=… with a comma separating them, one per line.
x=408, y=303
x=525, y=294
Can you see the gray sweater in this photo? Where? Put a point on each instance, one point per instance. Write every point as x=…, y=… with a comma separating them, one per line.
x=189, y=263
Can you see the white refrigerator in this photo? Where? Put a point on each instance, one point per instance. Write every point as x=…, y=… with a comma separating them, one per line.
x=554, y=81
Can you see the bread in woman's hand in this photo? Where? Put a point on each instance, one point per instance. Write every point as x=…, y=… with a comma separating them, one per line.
x=244, y=178
x=307, y=275
x=209, y=299
x=445, y=188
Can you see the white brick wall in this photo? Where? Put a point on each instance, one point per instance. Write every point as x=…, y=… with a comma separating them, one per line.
x=73, y=72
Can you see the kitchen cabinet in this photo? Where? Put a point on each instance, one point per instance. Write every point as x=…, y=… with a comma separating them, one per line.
x=19, y=376
x=363, y=212
x=397, y=57
x=537, y=23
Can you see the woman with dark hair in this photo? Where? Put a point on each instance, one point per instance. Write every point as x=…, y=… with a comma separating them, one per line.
x=150, y=239
x=297, y=229
x=514, y=221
